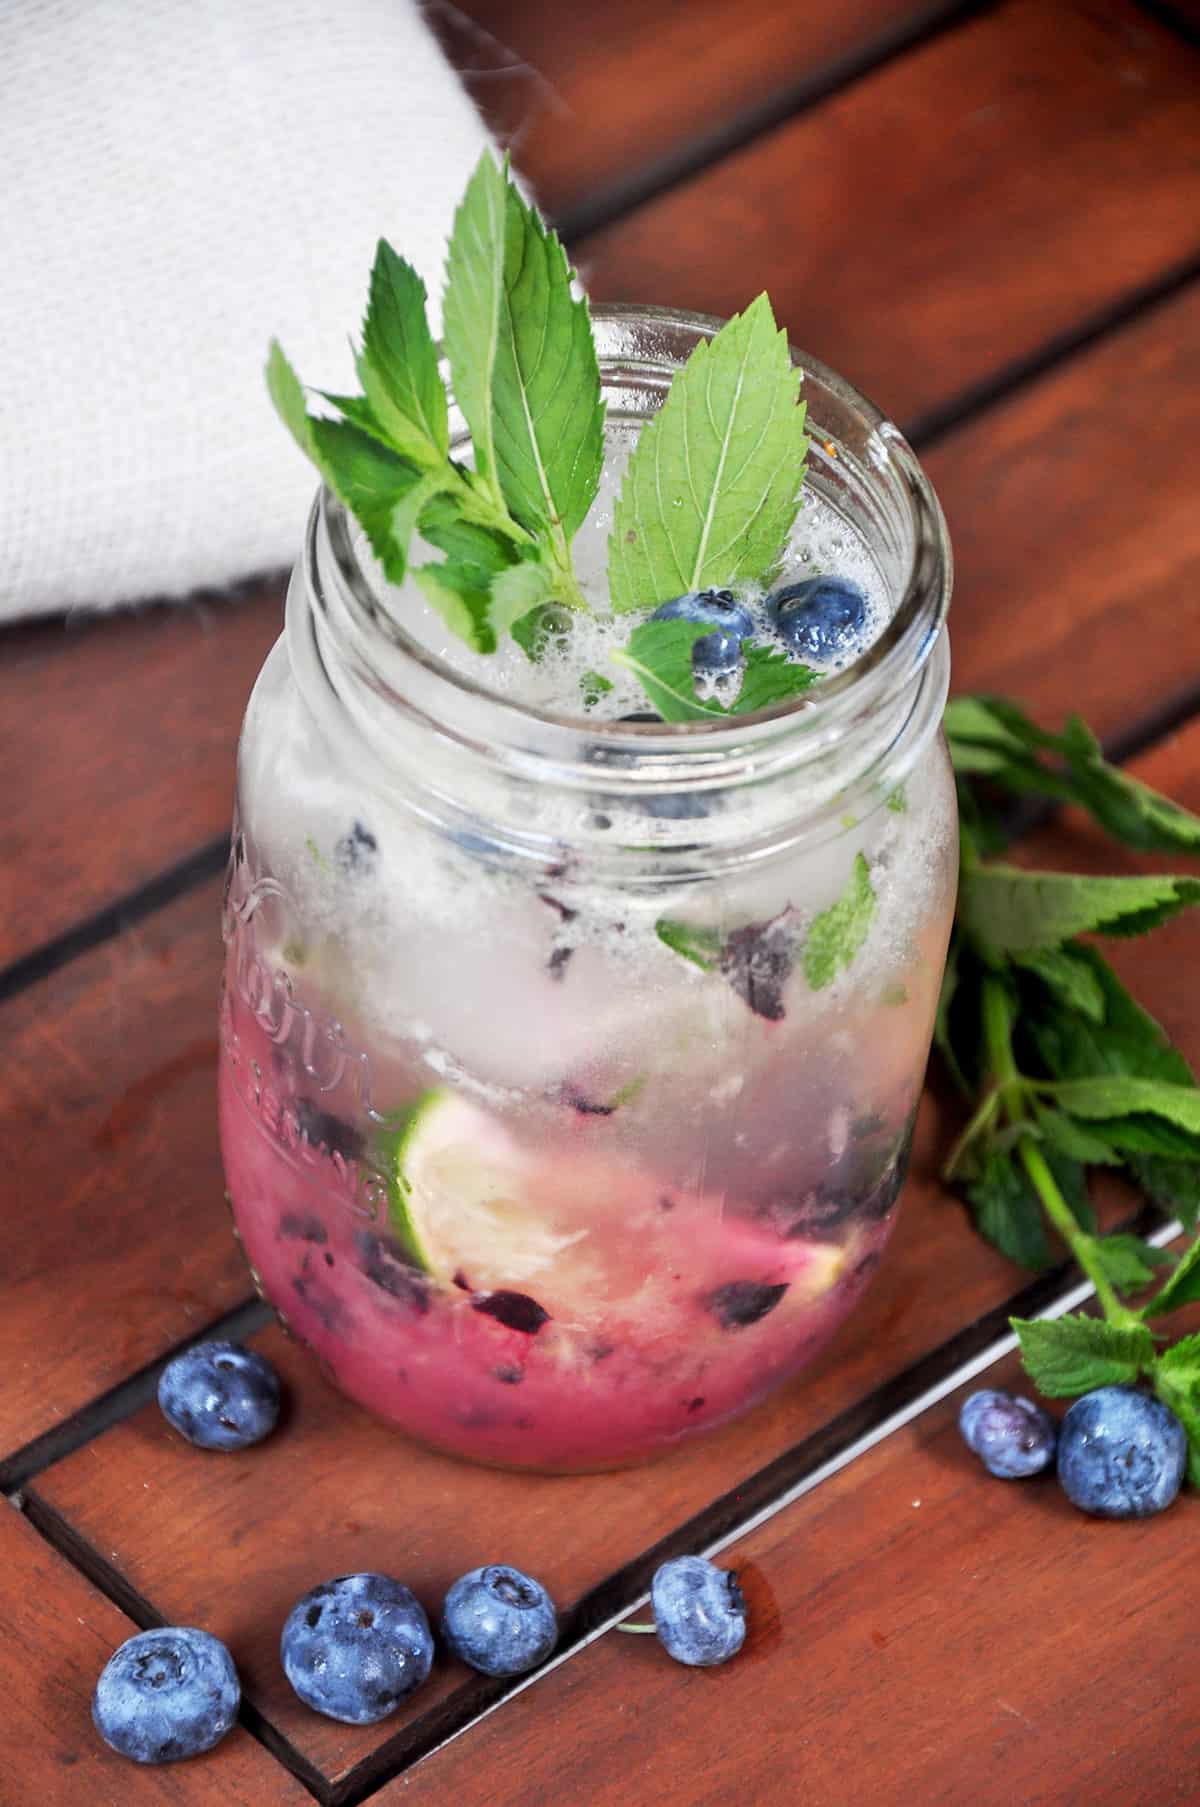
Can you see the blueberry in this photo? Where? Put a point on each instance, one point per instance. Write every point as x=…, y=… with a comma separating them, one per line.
x=500, y=1621
x=1121, y=1454
x=743, y=1302
x=166, y=1694
x=354, y=1647
x=821, y=617
x=715, y=653
x=1011, y=1436
x=699, y=1611
x=356, y=851
x=220, y=1396
x=322, y=1129
x=516, y=1311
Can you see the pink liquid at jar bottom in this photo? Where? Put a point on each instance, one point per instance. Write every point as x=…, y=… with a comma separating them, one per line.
x=693, y=1315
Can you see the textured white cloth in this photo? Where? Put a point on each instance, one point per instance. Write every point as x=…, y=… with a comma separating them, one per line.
x=179, y=180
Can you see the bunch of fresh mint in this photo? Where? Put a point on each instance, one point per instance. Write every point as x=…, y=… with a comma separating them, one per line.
x=708, y=498
x=1063, y=1069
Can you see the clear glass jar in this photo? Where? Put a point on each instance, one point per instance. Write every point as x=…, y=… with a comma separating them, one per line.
x=549, y=1120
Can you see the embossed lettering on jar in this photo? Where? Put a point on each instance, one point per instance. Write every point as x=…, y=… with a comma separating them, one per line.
x=569, y=1065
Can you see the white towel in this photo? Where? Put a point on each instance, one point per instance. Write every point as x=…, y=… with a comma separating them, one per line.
x=179, y=180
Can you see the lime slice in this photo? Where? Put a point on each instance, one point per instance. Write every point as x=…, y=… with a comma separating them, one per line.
x=459, y=1197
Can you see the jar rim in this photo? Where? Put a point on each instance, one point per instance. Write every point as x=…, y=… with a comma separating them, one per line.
x=892, y=661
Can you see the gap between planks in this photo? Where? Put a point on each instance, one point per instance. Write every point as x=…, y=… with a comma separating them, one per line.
x=683, y=165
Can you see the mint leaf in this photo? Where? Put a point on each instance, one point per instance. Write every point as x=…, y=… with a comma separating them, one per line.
x=520, y=589
x=398, y=365
x=1172, y=1184
x=547, y=414
x=838, y=932
x=1128, y=1261
x=1074, y=1140
x=1074, y=1354
x=992, y=738
x=701, y=946
x=1071, y=981
x=1177, y=1383
x=471, y=306
x=592, y=687
x=1008, y=912
x=375, y=484
x=1183, y=1287
x=1111, y=1096
x=659, y=653
x=464, y=607
x=534, y=631
x=1007, y=1213
x=475, y=550
x=713, y=485
x=770, y=677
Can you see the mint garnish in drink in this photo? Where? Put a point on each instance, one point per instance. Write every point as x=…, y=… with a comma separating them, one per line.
x=708, y=499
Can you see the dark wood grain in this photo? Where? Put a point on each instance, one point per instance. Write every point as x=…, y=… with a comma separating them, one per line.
x=1076, y=533
x=117, y=740
x=116, y=1240
x=56, y=1634
x=949, y=214
x=592, y=101
x=921, y=1632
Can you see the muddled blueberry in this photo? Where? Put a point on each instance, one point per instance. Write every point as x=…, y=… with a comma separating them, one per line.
x=699, y=1611
x=220, y=1396
x=1012, y=1437
x=499, y=1620
x=1121, y=1453
x=508, y=1374
x=820, y=617
x=166, y=1694
x=303, y=1226
x=322, y=1129
x=329, y=1311
x=557, y=964
x=386, y=1267
x=743, y=1302
x=585, y=1106
x=355, y=1647
x=356, y=852
x=757, y=960
x=516, y=1311
x=718, y=652
x=695, y=1405
x=564, y=911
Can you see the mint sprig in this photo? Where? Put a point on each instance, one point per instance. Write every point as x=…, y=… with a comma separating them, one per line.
x=1063, y=1069
x=659, y=653
x=713, y=484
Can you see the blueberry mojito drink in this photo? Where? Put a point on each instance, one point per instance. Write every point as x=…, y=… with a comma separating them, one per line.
x=594, y=863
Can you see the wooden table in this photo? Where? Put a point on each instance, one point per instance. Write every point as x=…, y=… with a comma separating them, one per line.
x=989, y=217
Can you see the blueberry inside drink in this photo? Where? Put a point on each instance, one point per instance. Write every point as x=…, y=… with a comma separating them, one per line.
x=594, y=864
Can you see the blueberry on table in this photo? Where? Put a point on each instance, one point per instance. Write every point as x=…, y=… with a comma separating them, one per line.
x=166, y=1694
x=718, y=652
x=1012, y=1436
x=1121, y=1454
x=220, y=1396
x=354, y=1647
x=699, y=1611
x=499, y=1620
x=821, y=617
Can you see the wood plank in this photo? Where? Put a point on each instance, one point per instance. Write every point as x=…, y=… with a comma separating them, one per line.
x=950, y=213
x=590, y=104
x=921, y=1632
x=242, y=1538
x=118, y=1242
x=117, y=740
x=56, y=1634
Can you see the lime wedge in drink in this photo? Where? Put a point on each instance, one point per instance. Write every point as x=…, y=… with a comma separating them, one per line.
x=459, y=1197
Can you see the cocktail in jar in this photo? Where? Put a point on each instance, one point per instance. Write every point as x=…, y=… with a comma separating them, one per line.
x=574, y=1017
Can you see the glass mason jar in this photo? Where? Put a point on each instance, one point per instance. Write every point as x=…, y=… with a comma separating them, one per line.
x=569, y=1067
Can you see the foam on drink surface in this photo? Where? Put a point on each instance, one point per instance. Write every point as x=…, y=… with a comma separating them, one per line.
x=821, y=543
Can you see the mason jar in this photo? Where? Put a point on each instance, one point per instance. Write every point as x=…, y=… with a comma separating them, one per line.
x=569, y=1066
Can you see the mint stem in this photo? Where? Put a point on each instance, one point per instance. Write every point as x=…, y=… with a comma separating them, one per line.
x=1081, y=1245
x=642, y=1628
